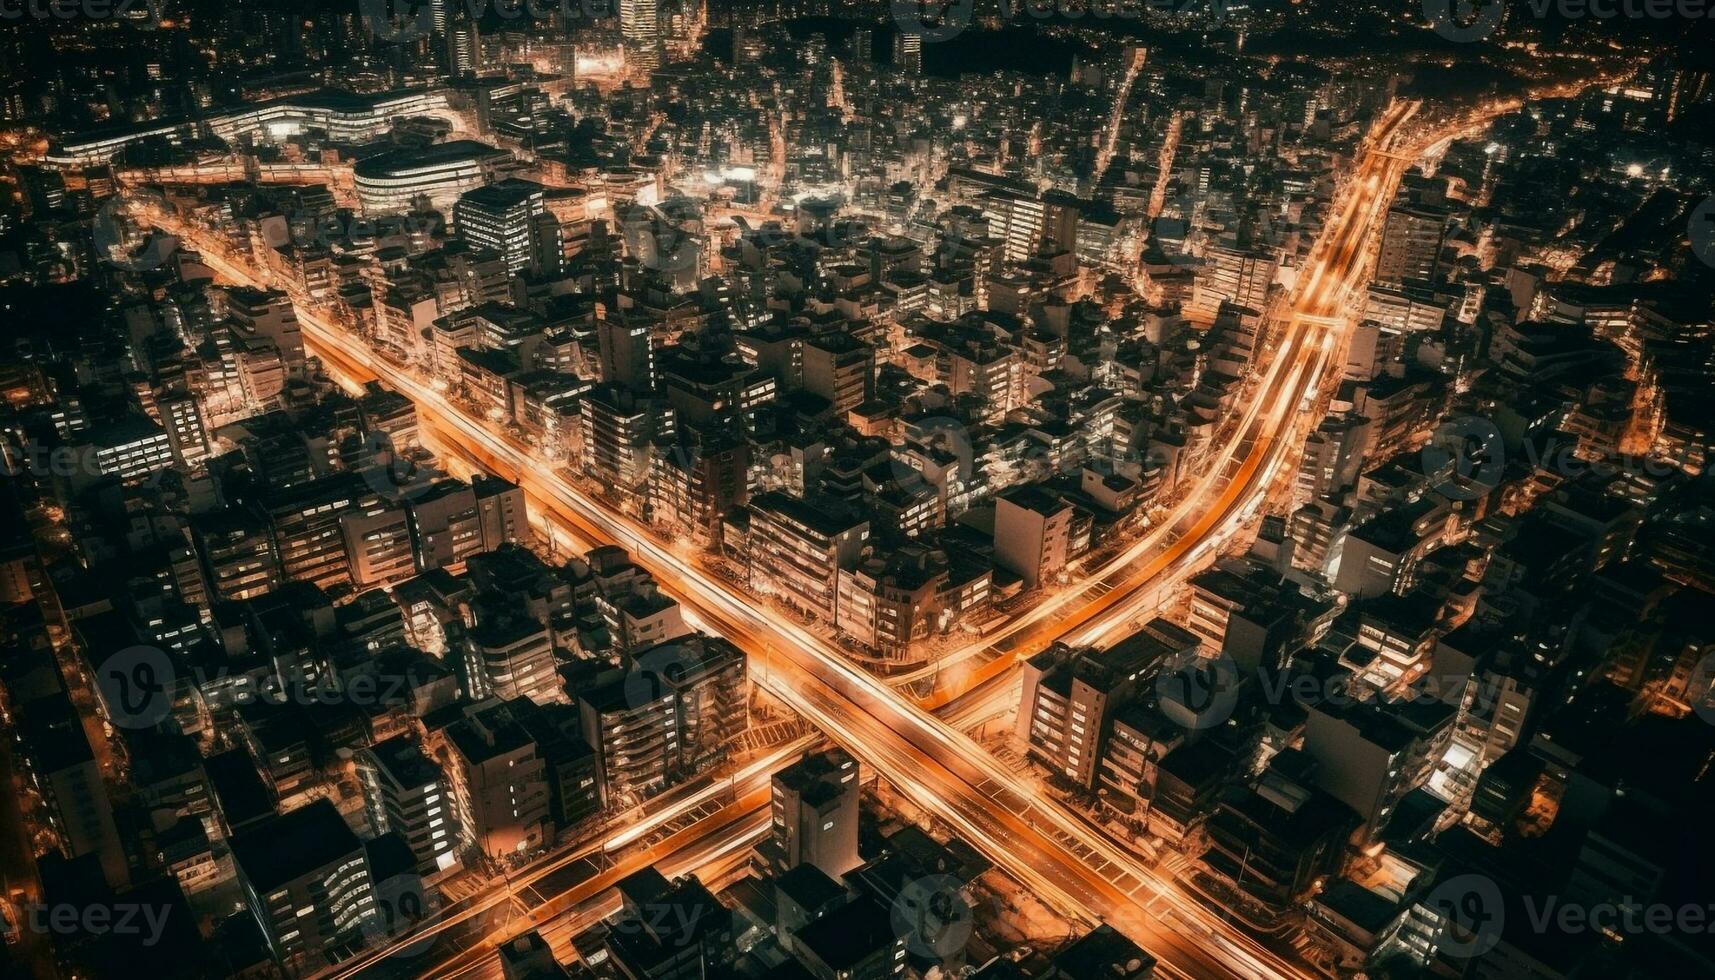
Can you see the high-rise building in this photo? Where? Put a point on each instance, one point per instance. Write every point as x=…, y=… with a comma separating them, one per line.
x=309, y=539
x=797, y=550
x=627, y=353
x=500, y=510
x=678, y=708
x=863, y=45
x=500, y=779
x=1017, y=218
x=445, y=525
x=181, y=417
x=840, y=368
x=269, y=315
x=452, y=520
x=405, y=791
x=908, y=53
x=1411, y=244
x=1370, y=756
x=306, y=880
x=378, y=544
x=65, y=773
x=639, y=21
x=861, y=940
x=464, y=47
x=512, y=218
x=572, y=766
x=815, y=814
x=669, y=930
x=1033, y=533
x=1251, y=614
x=1686, y=86
x=1070, y=696
x=714, y=391
x=698, y=479
x=891, y=600
x=510, y=655
x=1239, y=276
x=1333, y=455
x=401, y=180
x=237, y=552
x=129, y=448
x=640, y=25
x=635, y=729
x=618, y=430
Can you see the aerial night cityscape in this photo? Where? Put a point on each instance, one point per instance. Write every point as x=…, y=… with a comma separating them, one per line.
x=857, y=489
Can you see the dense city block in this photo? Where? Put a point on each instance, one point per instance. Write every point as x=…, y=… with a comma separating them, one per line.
x=857, y=489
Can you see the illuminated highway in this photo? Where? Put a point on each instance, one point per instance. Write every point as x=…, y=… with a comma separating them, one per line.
x=1035, y=839
x=475, y=920
x=1222, y=499
x=713, y=849
x=936, y=765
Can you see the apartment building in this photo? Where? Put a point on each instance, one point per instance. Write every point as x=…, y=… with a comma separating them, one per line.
x=306, y=880
x=1071, y=696
x=1033, y=534
x=677, y=708
x=500, y=779
x=405, y=791
x=797, y=549
x=815, y=806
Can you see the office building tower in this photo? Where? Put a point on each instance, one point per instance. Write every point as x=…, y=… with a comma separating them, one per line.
x=510, y=655
x=678, y=707
x=130, y=449
x=270, y=316
x=511, y=217
x=863, y=45
x=627, y=352
x=908, y=53
x=640, y=26
x=1070, y=696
